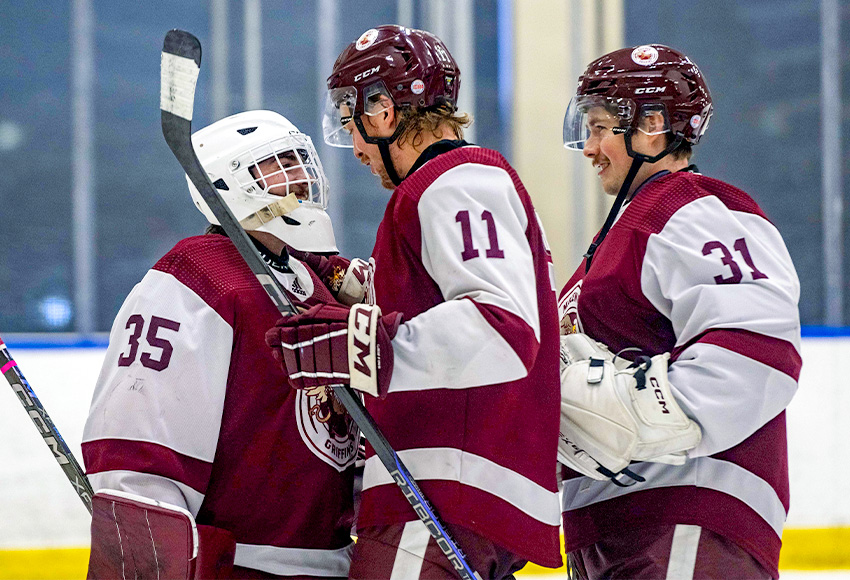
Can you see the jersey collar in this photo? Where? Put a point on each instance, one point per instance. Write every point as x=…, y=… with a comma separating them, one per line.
x=435, y=149
x=689, y=169
x=279, y=263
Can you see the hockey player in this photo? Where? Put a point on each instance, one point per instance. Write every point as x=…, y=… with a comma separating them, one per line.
x=458, y=354
x=687, y=270
x=191, y=416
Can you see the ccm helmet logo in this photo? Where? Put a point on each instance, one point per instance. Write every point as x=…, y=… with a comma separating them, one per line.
x=649, y=90
x=366, y=73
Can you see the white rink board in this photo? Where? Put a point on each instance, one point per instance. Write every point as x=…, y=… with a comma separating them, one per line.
x=38, y=507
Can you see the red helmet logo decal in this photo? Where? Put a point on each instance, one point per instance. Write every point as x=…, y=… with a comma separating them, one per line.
x=366, y=39
x=644, y=55
x=417, y=87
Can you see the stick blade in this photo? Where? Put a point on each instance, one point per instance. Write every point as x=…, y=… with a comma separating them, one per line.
x=181, y=43
x=180, y=66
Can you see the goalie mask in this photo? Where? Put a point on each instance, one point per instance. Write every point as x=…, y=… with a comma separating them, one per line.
x=269, y=175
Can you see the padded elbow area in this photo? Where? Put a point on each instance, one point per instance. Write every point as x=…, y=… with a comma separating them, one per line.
x=514, y=330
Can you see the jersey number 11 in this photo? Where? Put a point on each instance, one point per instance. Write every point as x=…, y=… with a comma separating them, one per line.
x=469, y=249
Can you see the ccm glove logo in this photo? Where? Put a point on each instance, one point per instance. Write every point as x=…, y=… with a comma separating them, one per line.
x=361, y=350
x=659, y=394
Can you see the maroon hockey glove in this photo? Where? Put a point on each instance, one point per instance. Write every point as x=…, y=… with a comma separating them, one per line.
x=346, y=279
x=331, y=345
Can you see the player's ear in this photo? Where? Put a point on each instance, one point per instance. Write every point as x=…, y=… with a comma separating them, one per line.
x=655, y=122
x=381, y=114
x=388, y=115
x=653, y=126
x=652, y=123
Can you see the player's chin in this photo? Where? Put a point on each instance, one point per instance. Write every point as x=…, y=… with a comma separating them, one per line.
x=610, y=187
x=386, y=182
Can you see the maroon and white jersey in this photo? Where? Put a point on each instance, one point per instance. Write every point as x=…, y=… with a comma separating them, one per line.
x=693, y=267
x=192, y=409
x=473, y=403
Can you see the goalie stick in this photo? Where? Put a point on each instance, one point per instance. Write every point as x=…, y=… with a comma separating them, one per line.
x=180, y=67
x=44, y=424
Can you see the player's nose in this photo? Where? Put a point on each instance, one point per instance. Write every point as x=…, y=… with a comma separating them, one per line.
x=591, y=148
x=299, y=182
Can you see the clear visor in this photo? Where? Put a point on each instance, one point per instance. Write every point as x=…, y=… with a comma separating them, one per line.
x=592, y=116
x=285, y=166
x=340, y=104
x=337, y=116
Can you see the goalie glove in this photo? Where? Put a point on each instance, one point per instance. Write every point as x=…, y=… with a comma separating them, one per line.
x=613, y=413
x=331, y=344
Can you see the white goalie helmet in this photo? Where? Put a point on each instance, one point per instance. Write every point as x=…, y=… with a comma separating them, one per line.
x=269, y=175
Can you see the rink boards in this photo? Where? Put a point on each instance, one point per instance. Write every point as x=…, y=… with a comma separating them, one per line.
x=44, y=526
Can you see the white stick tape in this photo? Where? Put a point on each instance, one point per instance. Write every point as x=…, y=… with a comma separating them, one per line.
x=178, y=78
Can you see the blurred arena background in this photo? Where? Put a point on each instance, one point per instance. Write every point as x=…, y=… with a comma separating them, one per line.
x=91, y=196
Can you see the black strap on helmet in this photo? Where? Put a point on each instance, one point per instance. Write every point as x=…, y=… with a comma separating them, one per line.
x=383, y=144
x=638, y=159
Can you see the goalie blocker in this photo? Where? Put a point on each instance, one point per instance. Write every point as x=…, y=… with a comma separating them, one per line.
x=614, y=412
x=137, y=537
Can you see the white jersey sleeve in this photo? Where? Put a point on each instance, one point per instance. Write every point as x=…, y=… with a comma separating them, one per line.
x=474, y=246
x=726, y=282
x=162, y=389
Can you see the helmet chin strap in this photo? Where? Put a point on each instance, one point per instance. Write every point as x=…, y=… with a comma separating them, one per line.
x=383, y=144
x=638, y=159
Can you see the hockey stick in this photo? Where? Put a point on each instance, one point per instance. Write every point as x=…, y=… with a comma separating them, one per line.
x=44, y=424
x=181, y=61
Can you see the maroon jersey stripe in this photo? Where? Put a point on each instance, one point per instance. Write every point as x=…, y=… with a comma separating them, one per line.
x=773, y=352
x=143, y=457
x=516, y=332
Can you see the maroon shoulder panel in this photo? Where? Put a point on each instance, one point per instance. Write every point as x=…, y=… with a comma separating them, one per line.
x=657, y=201
x=211, y=267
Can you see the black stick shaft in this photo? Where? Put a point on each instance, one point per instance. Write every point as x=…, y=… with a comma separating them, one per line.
x=44, y=424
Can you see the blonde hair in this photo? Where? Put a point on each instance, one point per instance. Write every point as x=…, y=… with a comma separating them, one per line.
x=434, y=120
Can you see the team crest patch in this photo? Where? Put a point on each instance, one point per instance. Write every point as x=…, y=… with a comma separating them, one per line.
x=568, y=310
x=326, y=428
x=366, y=39
x=644, y=55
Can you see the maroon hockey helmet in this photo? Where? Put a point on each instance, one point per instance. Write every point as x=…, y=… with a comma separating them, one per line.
x=413, y=68
x=630, y=84
x=633, y=82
